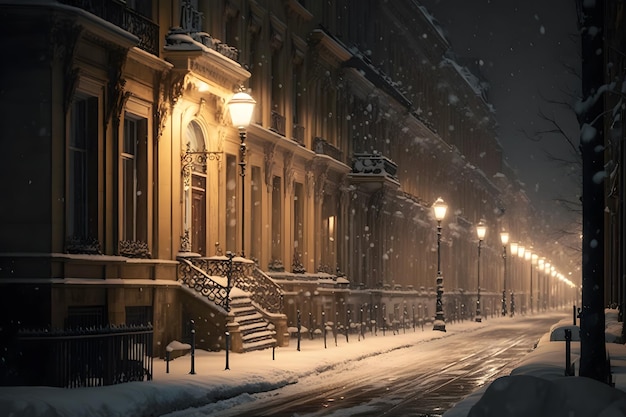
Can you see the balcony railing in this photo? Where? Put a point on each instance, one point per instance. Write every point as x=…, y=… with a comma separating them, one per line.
x=120, y=15
x=298, y=134
x=321, y=146
x=374, y=164
x=277, y=123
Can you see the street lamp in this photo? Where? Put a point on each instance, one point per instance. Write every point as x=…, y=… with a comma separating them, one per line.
x=527, y=257
x=546, y=285
x=533, y=262
x=514, y=247
x=439, y=208
x=241, y=106
x=481, y=230
x=520, y=254
x=504, y=238
x=540, y=268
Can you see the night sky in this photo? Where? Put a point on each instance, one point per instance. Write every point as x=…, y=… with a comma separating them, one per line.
x=528, y=51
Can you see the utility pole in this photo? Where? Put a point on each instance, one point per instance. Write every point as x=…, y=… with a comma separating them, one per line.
x=590, y=117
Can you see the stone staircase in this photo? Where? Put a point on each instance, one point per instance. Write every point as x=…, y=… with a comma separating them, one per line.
x=256, y=332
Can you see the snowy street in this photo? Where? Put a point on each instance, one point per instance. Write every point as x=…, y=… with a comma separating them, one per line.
x=417, y=373
x=417, y=377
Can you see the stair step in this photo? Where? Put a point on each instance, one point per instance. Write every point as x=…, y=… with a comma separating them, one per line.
x=259, y=345
x=243, y=313
x=255, y=326
x=256, y=332
x=259, y=335
x=249, y=319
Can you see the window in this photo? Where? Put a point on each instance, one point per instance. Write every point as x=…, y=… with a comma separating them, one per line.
x=138, y=315
x=298, y=92
x=329, y=226
x=133, y=185
x=82, y=196
x=277, y=219
x=231, y=25
x=144, y=8
x=298, y=218
x=255, y=213
x=81, y=317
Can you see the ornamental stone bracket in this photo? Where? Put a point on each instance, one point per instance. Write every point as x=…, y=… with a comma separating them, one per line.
x=222, y=74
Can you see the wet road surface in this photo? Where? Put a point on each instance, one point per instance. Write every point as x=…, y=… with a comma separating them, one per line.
x=432, y=377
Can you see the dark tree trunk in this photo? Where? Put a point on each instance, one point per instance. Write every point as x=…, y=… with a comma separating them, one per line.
x=592, y=341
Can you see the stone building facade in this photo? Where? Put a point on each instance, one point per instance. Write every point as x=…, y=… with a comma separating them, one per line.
x=122, y=176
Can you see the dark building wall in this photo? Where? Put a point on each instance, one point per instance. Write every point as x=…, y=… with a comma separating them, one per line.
x=26, y=100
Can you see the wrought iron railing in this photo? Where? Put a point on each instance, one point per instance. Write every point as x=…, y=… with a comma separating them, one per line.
x=321, y=146
x=298, y=134
x=277, y=123
x=126, y=18
x=84, y=357
x=266, y=292
x=196, y=273
x=198, y=278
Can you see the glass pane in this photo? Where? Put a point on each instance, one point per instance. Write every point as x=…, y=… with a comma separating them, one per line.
x=128, y=199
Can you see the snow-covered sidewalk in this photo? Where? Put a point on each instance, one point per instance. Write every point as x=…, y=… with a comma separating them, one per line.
x=538, y=387
x=249, y=373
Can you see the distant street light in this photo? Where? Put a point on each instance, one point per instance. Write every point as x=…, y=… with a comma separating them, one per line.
x=504, y=238
x=540, y=267
x=547, y=267
x=439, y=208
x=481, y=230
x=513, y=280
x=520, y=254
x=241, y=106
x=528, y=257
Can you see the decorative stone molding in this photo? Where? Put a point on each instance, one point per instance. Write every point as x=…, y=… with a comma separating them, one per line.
x=270, y=150
x=134, y=249
x=83, y=245
x=162, y=104
x=64, y=38
x=178, y=83
x=116, y=96
x=288, y=171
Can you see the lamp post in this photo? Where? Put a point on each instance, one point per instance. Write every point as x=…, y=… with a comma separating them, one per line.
x=513, y=248
x=481, y=230
x=540, y=266
x=504, y=238
x=229, y=277
x=547, y=267
x=533, y=262
x=520, y=254
x=528, y=257
x=241, y=106
x=439, y=209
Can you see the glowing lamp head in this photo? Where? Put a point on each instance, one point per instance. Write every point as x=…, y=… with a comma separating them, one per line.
x=504, y=238
x=241, y=106
x=481, y=230
x=440, y=208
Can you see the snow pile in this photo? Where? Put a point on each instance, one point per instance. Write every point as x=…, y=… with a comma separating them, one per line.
x=525, y=395
x=538, y=386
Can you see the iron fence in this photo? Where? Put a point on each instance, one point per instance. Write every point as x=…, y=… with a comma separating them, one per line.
x=82, y=357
